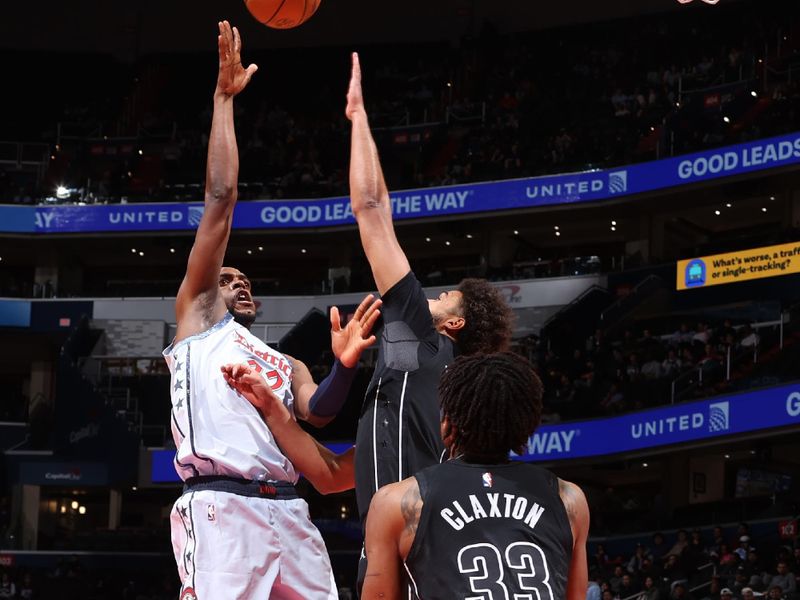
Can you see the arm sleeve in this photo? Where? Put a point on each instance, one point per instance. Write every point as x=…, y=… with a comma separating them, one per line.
x=332, y=392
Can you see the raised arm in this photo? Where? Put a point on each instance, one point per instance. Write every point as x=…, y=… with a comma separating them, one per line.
x=578, y=512
x=199, y=304
x=319, y=404
x=369, y=197
x=328, y=472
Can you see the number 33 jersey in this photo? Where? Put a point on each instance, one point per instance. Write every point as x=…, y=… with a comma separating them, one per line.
x=495, y=532
x=217, y=431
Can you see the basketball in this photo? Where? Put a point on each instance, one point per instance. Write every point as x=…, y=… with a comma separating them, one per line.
x=282, y=14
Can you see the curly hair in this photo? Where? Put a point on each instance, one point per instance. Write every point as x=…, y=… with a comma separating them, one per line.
x=487, y=318
x=492, y=402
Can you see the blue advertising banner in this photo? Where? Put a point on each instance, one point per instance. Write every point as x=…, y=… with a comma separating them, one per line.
x=162, y=469
x=643, y=430
x=570, y=188
x=17, y=219
x=675, y=424
x=15, y=313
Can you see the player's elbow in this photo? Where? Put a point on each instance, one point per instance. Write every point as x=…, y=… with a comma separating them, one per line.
x=326, y=486
x=368, y=207
x=221, y=193
x=315, y=420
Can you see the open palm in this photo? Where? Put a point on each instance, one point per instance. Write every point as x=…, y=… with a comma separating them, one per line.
x=233, y=77
x=350, y=341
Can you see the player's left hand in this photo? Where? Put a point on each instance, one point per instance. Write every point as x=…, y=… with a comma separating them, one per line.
x=355, y=97
x=248, y=383
x=349, y=342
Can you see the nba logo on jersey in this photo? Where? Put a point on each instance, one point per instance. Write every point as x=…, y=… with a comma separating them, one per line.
x=487, y=479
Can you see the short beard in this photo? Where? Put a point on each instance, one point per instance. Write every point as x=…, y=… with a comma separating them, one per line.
x=438, y=318
x=243, y=319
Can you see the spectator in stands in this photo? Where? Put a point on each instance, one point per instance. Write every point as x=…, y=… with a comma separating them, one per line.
x=740, y=581
x=749, y=338
x=659, y=546
x=726, y=329
x=702, y=335
x=695, y=552
x=748, y=594
x=726, y=594
x=594, y=592
x=719, y=539
x=671, y=365
x=680, y=544
x=628, y=587
x=637, y=560
x=782, y=578
x=775, y=593
x=711, y=358
x=674, y=569
x=680, y=592
x=650, y=591
x=744, y=547
x=650, y=569
x=651, y=369
x=615, y=581
x=614, y=399
x=601, y=559
x=752, y=566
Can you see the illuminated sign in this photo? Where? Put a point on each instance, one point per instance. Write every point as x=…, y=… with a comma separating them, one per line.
x=644, y=430
x=756, y=263
x=565, y=188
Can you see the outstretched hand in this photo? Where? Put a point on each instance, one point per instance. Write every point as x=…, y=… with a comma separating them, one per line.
x=252, y=386
x=355, y=97
x=233, y=77
x=349, y=342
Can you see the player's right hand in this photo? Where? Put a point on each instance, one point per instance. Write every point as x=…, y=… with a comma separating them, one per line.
x=232, y=77
x=243, y=379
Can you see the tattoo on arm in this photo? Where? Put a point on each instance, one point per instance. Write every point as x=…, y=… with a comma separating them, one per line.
x=567, y=493
x=411, y=507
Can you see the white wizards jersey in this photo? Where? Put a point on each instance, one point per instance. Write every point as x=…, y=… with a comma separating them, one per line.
x=216, y=431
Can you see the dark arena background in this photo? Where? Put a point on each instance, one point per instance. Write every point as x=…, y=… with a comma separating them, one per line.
x=626, y=172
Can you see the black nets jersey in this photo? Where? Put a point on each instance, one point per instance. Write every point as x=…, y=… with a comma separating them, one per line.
x=490, y=531
x=398, y=432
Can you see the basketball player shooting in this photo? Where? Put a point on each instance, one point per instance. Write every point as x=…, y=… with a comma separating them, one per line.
x=480, y=525
x=239, y=530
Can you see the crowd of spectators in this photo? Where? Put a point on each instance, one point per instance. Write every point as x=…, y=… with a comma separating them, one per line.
x=696, y=566
x=495, y=106
x=632, y=372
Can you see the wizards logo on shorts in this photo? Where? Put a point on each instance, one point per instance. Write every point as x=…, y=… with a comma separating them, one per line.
x=188, y=594
x=488, y=481
x=695, y=273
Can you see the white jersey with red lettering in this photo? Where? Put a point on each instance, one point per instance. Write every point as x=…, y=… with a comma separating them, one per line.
x=216, y=431
x=228, y=544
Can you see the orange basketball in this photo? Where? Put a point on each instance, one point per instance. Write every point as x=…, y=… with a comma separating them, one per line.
x=282, y=14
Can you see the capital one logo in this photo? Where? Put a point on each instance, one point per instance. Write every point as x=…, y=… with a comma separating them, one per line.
x=719, y=416
x=618, y=182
